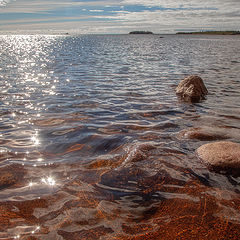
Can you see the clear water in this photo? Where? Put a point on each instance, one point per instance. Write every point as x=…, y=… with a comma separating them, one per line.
x=90, y=144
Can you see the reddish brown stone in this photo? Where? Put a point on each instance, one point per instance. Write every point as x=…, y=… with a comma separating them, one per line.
x=94, y=233
x=202, y=134
x=11, y=175
x=192, y=89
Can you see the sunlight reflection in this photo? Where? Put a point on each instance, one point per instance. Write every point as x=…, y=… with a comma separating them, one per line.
x=35, y=140
x=36, y=230
x=49, y=181
x=3, y=151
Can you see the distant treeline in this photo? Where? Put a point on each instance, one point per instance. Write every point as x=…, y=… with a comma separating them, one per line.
x=213, y=32
x=140, y=32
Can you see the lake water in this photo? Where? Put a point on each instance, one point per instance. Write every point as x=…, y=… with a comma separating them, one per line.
x=92, y=143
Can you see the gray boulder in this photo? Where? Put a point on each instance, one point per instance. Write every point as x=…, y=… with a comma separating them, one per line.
x=192, y=89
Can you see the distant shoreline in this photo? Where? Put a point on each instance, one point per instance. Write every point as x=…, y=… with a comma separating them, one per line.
x=213, y=33
x=141, y=32
x=63, y=33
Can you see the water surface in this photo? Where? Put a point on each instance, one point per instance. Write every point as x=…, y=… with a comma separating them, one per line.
x=91, y=143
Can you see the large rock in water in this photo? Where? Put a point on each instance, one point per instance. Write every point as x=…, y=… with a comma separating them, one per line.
x=192, y=89
x=222, y=155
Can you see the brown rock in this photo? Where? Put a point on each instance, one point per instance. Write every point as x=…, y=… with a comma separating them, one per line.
x=203, y=134
x=11, y=175
x=7, y=179
x=192, y=89
x=221, y=155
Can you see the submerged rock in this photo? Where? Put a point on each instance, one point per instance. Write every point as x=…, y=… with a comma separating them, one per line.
x=203, y=134
x=11, y=175
x=7, y=179
x=192, y=89
x=222, y=155
x=138, y=152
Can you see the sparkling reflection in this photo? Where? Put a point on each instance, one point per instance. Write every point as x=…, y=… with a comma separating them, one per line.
x=26, y=230
x=88, y=137
x=49, y=181
x=35, y=139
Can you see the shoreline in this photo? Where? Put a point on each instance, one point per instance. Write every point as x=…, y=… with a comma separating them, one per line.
x=66, y=33
x=210, y=33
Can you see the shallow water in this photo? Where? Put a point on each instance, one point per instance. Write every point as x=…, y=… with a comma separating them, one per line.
x=91, y=143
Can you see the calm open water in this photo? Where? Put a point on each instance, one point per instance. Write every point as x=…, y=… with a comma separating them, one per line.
x=90, y=137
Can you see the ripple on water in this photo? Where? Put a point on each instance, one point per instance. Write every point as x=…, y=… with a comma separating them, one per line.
x=95, y=144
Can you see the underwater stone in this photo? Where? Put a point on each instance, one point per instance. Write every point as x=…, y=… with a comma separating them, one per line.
x=203, y=134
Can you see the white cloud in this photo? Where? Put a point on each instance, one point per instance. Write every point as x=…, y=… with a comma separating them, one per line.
x=96, y=10
x=27, y=6
x=184, y=3
x=4, y=2
x=176, y=14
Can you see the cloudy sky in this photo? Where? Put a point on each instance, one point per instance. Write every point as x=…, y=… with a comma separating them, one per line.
x=119, y=16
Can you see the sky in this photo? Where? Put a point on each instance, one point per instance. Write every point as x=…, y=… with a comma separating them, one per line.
x=118, y=16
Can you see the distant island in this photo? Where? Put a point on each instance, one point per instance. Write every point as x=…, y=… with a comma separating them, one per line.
x=141, y=32
x=213, y=32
